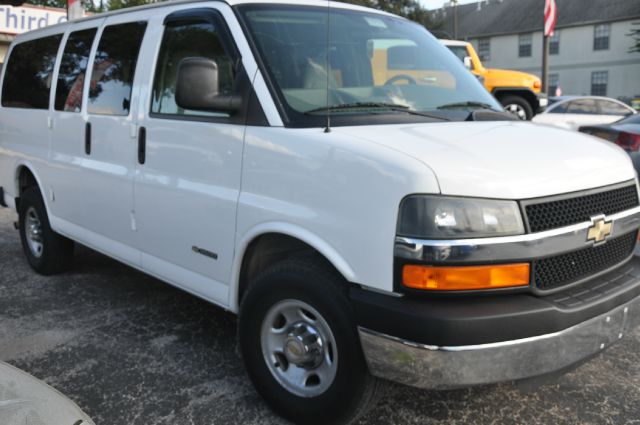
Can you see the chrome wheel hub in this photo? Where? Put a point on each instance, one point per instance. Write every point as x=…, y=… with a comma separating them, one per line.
x=516, y=110
x=303, y=346
x=33, y=232
x=299, y=348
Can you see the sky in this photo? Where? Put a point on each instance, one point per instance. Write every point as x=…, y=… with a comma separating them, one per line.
x=434, y=4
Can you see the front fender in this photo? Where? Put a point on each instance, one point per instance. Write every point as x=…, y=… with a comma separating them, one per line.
x=319, y=244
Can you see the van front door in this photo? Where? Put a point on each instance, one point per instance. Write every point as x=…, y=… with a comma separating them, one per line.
x=188, y=174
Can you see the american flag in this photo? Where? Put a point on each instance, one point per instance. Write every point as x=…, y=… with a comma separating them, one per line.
x=550, y=17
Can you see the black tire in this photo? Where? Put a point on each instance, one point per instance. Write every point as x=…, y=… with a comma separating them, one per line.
x=353, y=390
x=56, y=253
x=517, y=103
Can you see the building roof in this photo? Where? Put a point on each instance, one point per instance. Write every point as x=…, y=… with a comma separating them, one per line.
x=499, y=17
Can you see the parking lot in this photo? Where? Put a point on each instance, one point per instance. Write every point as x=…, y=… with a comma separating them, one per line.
x=129, y=349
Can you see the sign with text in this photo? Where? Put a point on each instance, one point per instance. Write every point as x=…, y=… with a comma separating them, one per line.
x=16, y=20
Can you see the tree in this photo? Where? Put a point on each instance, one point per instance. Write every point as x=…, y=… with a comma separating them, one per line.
x=410, y=9
x=62, y=4
x=121, y=4
x=89, y=5
x=635, y=34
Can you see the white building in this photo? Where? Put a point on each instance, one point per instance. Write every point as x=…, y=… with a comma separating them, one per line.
x=589, y=51
x=16, y=20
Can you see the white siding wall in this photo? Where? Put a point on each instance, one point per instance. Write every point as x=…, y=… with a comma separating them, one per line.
x=577, y=59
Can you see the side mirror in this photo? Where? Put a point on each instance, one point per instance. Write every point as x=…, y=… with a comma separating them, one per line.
x=467, y=62
x=198, y=87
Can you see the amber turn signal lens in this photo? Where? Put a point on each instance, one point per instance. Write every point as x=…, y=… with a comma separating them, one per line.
x=465, y=278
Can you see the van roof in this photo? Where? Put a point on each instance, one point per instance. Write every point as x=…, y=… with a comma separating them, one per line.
x=333, y=4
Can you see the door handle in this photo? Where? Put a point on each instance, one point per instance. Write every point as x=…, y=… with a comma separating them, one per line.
x=87, y=138
x=142, y=145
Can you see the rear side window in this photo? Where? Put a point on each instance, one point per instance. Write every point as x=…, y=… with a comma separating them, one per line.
x=114, y=67
x=73, y=68
x=195, y=39
x=612, y=108
x=27, y=81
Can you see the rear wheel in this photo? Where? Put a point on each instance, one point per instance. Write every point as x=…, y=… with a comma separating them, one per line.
x=300, y=345
x=47, y=252
x=517, y=106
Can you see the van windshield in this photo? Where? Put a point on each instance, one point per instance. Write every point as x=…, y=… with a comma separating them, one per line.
x=377, y=66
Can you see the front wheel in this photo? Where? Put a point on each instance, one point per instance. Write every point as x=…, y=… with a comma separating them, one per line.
x=300, y=345
x=517, y=106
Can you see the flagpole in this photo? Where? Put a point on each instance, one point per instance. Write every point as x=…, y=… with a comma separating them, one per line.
x=545, y=62
x=548, y=25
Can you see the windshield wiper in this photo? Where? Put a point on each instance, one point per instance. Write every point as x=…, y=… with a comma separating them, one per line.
x=468, y=104
x=395, y=107
x=359, y=105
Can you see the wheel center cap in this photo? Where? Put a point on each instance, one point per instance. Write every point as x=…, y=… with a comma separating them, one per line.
x=34, y=232
x=303, y=346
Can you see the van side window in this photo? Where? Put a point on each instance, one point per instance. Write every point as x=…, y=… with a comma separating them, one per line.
x=183, y=40
x=73, y=68
x=114, y=67
x=27, y=80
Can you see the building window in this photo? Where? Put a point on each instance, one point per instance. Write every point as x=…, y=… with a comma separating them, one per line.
x=524, y=45
x=599, y=80
x=552, y=84
x=601, y=37
x=484, y=49
x=554, y=43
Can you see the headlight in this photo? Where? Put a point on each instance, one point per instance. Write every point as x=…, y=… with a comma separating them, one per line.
x=440, y=217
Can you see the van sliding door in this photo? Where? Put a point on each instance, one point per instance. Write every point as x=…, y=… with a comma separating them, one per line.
x=68, y=118
x=108, y=137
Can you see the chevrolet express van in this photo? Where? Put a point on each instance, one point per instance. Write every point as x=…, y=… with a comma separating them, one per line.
x=363, y=230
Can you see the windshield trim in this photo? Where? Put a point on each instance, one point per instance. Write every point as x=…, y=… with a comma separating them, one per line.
x=294, y=119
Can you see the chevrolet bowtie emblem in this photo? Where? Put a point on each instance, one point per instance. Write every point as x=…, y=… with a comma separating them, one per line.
x=599, y=230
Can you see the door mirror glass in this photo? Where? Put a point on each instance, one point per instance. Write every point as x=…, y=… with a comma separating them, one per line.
x=198, y=87
x=467, y=62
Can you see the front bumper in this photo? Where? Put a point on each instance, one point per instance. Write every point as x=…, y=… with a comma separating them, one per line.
x=445, y=367
x=543, y=101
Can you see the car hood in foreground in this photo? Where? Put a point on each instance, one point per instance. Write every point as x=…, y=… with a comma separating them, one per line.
x=504, y=159
x=24, y=400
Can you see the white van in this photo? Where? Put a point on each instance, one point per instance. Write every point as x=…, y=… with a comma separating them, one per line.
x=336, y=177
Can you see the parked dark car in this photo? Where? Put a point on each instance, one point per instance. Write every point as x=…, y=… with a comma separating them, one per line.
x=625, y=133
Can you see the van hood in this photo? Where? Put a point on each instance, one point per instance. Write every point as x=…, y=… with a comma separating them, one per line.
x=505, y=159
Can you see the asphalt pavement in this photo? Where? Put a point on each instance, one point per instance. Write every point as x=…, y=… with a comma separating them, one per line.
x=129, y=349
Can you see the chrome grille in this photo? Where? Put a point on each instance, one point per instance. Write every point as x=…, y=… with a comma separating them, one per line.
x=565, y=211
x=564, y=269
